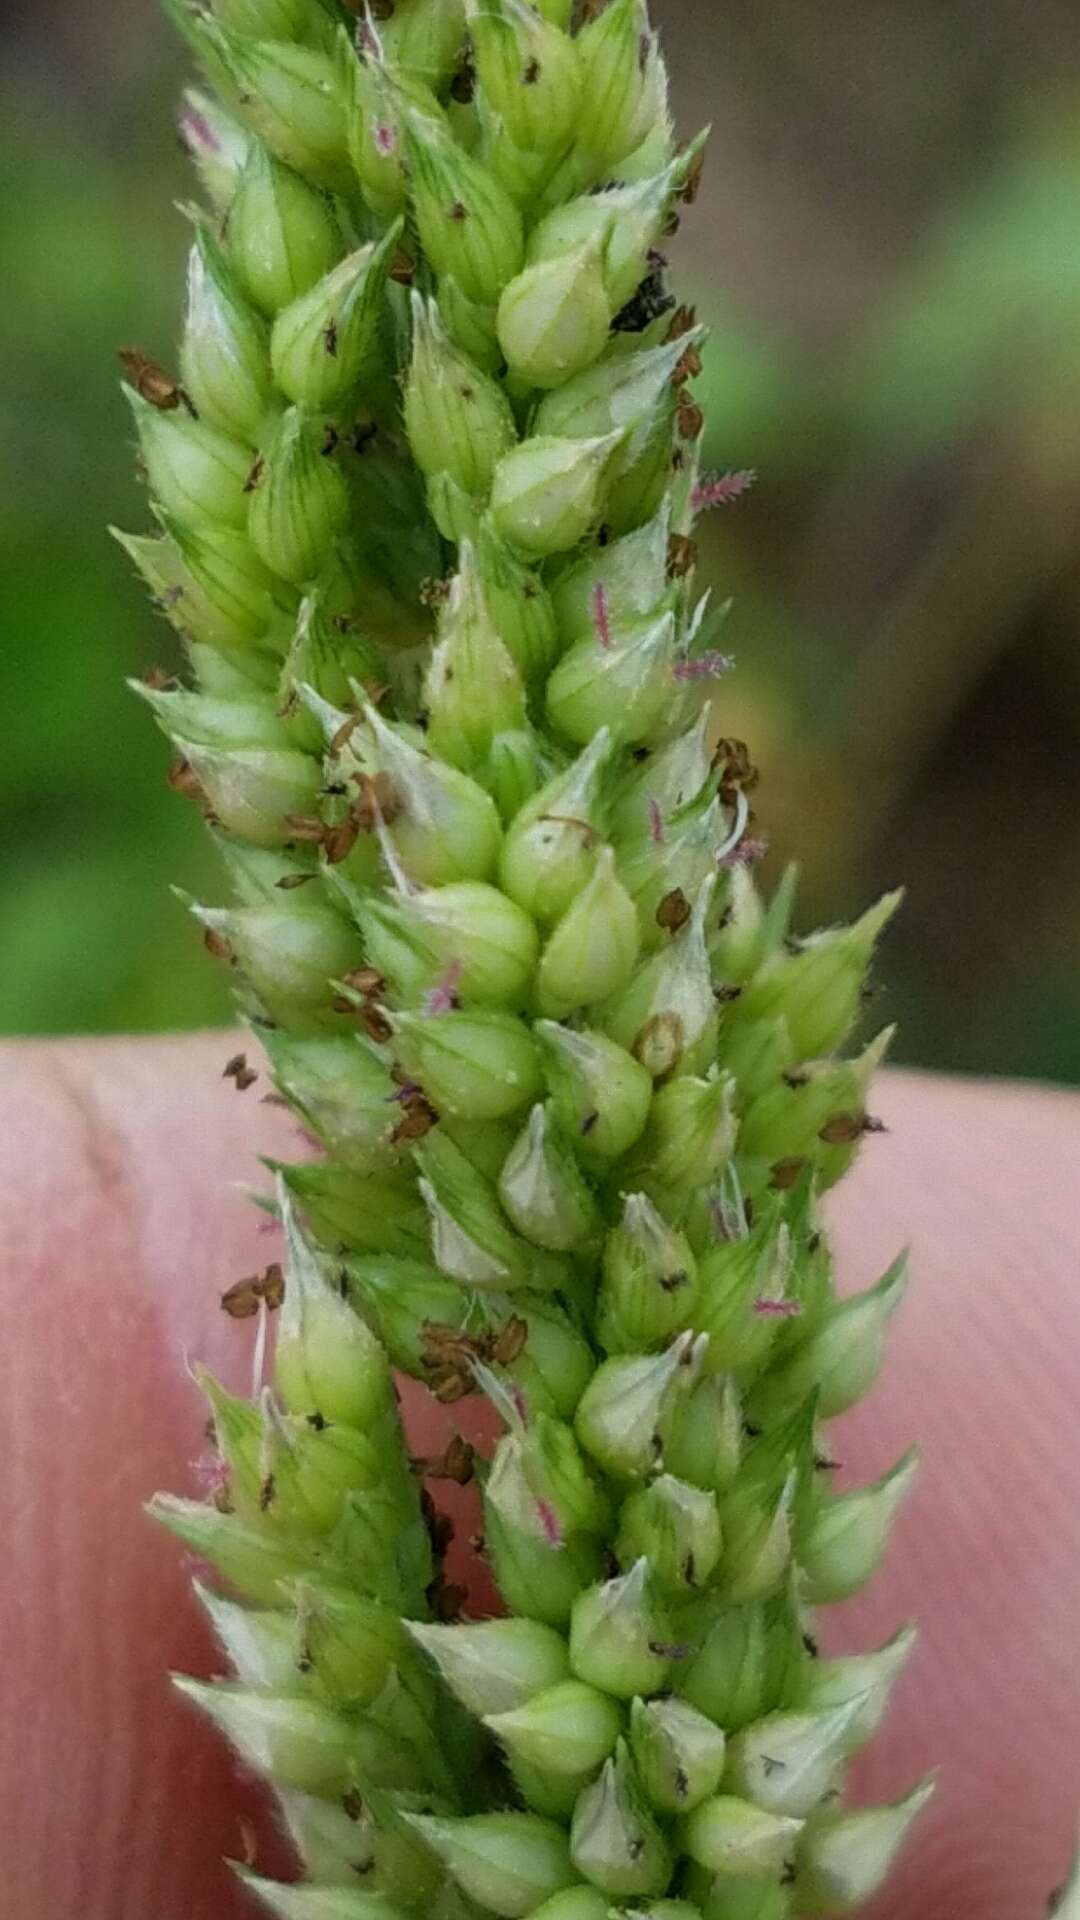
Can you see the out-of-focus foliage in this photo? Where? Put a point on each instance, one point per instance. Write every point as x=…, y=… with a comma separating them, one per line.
x=891, y=268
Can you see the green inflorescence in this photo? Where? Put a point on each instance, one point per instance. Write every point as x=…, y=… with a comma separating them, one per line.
x=425, y=493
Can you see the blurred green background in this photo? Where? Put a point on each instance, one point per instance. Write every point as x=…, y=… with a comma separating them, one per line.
x=888, y=247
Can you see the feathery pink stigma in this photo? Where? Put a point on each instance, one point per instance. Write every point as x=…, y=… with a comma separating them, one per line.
x=769, y=1309
x=724, y=487
x=385, y=138
x=211, y=1472
x=443, y=997
x=601, y=619
x=550, y=1523
x=747, y=851
x=703, y=666
x=656, y=824
x=197, y=132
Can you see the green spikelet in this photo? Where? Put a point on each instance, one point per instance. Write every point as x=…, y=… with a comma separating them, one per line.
x=425, y=505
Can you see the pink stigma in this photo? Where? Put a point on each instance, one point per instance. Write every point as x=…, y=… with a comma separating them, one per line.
x=703, y=666
x=656, y=824
x=723, y=488
x=776, y=1309
x=385, y=138
x=211, y=1472
x=745, y=853
x=197, y=131
x=549, y=1522
x=601, y=619
x=443, y=997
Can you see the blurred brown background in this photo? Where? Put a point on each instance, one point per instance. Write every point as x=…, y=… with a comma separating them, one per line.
x=888, y=248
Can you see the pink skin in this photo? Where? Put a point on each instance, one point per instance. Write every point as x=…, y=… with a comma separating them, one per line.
x=118, y=1230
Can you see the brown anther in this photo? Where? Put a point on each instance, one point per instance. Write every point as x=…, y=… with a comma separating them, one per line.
x=739, y=771
x=589, y=1122
x=673, y=911
x=841, y=1129
x=266, y=1493
x=351, y=1802
x=417, y=1118
x=331, y=440
x=811, y=1645
x=289, y=881
x=510, y=1341
x=290, y=704
x=303, y=826
x=344, y=733
x=683, y=320
x=671, y=1282
x=458, y=211
x=237, y=1070
x=365, y=981
x=785, y=1173
x=689, y=418
x=255, y=473
x=223, y=1500
x=378, y=1028
x=669, y=1650
x=531, y=74
x=182, y=778
x=449, y=1384
x=378, y=796
x=243, y=1299
x=458, y=1463
x=273, y=1100
x=216, y=943
x=339, y=840
x=330, y=337
x=871, y=1124
x=682, y=556
x=688, y=192
x=151, y=382
x=687, y=368
x=158, y=679
x=402, y=268
x=795, y=1078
